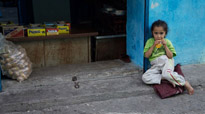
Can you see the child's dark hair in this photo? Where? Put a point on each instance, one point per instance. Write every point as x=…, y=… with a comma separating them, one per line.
x=160, y=23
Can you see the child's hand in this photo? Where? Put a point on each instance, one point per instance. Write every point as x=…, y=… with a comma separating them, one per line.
x=164, y=42
x=157, y=42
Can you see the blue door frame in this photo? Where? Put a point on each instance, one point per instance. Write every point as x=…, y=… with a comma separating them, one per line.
x=146, y=63
x=0, y=81
x=0, y=13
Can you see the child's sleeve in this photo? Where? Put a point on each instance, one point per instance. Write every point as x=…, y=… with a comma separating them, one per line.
x=147, y=45
x=171, y=48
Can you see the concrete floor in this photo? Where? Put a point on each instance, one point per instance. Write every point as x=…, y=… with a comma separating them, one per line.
x=107, y=87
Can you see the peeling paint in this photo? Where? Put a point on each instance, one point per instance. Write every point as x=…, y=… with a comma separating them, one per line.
x=203, y=57
x=185, y=19
x=135, y=31
x=154, y=5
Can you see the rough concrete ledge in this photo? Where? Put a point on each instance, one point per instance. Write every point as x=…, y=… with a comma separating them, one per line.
x=107, y=87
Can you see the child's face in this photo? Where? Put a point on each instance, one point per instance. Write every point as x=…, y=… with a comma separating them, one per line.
x=158, y=33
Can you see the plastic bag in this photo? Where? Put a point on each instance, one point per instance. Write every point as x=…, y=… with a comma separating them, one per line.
x=14, y=61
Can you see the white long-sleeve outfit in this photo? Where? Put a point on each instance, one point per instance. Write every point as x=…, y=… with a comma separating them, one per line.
x=162, y=67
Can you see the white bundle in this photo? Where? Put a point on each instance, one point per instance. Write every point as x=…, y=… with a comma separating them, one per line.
x=14, y=62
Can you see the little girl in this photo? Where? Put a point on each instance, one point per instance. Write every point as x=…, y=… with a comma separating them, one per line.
x=160, y=52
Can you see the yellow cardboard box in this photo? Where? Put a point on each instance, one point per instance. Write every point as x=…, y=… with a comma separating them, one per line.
x=52, y=31
x=36, y=32
x=63, y=29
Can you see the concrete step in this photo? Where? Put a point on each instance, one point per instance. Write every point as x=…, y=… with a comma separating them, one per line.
x=65, y=94
x=146, y=103
x=63, y=74
x=110, y=87
x=53, y=86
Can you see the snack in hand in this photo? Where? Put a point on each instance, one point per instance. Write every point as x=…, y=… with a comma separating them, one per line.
x=158, y=45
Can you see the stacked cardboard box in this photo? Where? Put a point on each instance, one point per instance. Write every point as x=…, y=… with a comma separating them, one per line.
x=36, y=32
x=45, y=29
x=11, y=31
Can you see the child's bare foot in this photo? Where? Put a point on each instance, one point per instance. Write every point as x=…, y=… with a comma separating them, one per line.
x=189, y=88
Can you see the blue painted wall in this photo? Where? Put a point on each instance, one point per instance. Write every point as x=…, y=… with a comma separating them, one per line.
x=135, y=30
x=186, y=21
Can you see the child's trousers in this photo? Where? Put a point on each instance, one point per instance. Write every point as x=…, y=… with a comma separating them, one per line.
x=162, y=67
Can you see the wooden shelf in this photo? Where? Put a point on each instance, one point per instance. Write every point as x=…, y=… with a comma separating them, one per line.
x=61, y=36
x=74, y=33
x=45, y=51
